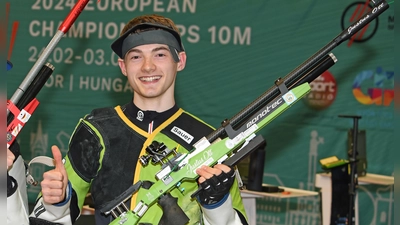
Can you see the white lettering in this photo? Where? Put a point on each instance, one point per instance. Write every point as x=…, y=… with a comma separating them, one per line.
x=182, y=134
x=101, y=5
x=121, y=5
x=194, y=36
x=207, y=156
x=173, y=5
x=131, y=8
x=143, y=4
x=81, y=29
x=351, y=28
x=116, y=4
x=104, y=84
x=90, y=28
x=76, y=30
x=48, y=27
x=158, y=6
x=265, y=112
x=55, y=81
x=32, y=28
x=189, y=4
x=322, y=86
x=185, y=6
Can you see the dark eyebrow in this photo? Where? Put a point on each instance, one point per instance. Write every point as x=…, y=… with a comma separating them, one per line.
x=160, y=48
x=153, y=50
x=133, y=50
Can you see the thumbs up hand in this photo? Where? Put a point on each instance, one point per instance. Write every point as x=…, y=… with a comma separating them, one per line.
x=55, y=181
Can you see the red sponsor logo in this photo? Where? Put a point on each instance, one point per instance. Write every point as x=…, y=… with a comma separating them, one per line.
x=323, y=92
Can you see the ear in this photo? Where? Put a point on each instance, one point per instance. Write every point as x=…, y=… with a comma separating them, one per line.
x=121, y=64
x=182, y=61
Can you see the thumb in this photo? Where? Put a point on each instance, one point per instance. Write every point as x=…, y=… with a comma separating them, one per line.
x=57, y=158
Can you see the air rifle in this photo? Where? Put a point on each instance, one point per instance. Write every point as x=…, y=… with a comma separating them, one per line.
x=236, y=138
x=24, y=108
x=23, y=102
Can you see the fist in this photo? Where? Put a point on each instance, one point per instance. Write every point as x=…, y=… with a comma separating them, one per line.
x=215, y=183
x=206, y=172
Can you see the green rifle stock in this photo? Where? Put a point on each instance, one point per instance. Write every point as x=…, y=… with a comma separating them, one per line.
x=208, y=154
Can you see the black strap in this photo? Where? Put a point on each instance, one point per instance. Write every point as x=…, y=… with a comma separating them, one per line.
x=12, y=185
x=37, y=221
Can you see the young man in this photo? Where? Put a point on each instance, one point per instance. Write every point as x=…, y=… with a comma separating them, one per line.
x=104, y=150
x=17, y=196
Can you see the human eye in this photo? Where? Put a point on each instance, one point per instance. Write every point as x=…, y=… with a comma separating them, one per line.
x=133, y=56
x=160, y=54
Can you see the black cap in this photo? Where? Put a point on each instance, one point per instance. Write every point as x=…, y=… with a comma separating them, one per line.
x=117, y=45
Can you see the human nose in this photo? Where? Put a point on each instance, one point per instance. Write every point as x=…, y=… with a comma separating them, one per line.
x=148, y=65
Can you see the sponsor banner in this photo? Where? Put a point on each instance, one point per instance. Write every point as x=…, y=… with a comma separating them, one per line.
x=236, y=50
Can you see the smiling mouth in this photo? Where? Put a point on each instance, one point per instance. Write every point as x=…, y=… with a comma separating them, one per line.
x=150, y=79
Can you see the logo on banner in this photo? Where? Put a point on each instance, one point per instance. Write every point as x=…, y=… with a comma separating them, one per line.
x=374, y=87
x=353, y=13
x=323, y=92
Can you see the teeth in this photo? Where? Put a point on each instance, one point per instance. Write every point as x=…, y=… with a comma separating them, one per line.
x=148, y=79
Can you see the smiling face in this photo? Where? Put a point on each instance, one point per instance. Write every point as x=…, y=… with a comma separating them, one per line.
x=151, y=72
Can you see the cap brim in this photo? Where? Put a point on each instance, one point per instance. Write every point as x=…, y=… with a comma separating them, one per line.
x=9, y=65
x=116, y=46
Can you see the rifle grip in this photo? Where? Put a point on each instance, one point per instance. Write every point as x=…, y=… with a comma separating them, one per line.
x=172, y=213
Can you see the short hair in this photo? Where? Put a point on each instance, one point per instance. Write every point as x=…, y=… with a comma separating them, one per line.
x=153, y=18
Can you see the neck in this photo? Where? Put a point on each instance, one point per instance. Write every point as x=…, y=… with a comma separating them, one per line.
x=153, y=104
